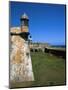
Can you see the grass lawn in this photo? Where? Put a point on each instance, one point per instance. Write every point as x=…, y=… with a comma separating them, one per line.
x=48, y=70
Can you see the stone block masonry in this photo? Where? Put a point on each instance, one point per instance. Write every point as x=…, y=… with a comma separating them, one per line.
x=20, y=60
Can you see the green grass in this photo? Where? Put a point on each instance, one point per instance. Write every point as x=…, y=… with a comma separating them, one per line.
x=48, y=70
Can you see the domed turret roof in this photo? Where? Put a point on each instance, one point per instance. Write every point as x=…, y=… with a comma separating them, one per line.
x=24, y=16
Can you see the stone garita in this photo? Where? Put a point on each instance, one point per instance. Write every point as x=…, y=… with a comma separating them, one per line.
x=20, y=58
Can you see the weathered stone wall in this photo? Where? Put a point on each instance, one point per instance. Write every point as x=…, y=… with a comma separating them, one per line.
x=20, y=60
x=57, y=52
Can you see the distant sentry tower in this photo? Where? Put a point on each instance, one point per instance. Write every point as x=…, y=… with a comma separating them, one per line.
x=24, y=26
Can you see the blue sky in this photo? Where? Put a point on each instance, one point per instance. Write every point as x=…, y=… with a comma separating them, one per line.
x=46, y=21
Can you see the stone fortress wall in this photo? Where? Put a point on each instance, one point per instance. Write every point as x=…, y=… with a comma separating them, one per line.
x=20, y=58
